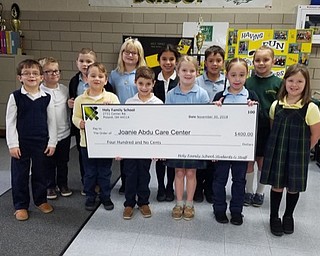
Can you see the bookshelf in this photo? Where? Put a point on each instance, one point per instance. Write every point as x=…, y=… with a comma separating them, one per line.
x=8, y=83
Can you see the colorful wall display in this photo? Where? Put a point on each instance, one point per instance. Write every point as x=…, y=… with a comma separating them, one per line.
x=290, y=46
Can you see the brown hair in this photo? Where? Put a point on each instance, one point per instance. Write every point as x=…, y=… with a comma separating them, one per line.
x=29, y=63
x=100, y=67
x=231, y=62
x=88, y=51
x=144, y=72
x=214, y=49
x=291, y=71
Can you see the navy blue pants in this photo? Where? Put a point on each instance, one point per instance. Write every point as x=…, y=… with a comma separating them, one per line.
x=32, y=155
x=57, y=165
x=220, y=179
x=137, y=181
x=97, y=171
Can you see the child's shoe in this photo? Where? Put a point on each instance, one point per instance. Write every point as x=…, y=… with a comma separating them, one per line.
x=51, y=193
x=21, y=214
x=248, y=199
x=169, y=195
x=127, y=213
x=221, y=217
x=145, y=210
x=258, y=200
x=161, y=195
x=45, y=208
x=288, y=224
x=188, y=213
x=65, y=191
x=236, y=219
x=177, y=212
x=90, y=205
x=108, y=204
x=276, y=226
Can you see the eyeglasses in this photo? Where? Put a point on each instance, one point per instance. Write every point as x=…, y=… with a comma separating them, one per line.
x=31, y=74
x=52, y=72
x=129, y=52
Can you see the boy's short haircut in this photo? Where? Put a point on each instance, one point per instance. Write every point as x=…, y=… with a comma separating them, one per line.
x=87, y=51
x=28, y=63
x=144, y=72
x=102, y=68
x=46, y=61
x=214, y=49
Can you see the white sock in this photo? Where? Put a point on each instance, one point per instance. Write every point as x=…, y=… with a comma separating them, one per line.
x=249, y=183
x=260, y=187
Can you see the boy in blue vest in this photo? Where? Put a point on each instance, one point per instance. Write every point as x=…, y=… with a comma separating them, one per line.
x=31, y=135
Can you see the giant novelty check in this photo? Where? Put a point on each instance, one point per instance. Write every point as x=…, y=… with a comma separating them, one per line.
x=171, y=131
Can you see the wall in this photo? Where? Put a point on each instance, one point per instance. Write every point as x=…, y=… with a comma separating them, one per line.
x=59, y=28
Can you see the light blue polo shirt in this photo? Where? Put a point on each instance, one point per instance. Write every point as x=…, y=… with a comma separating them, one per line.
x=212, y=87
x=123, y=84
x=82, y=86
x=196, y=95
x=241, y=97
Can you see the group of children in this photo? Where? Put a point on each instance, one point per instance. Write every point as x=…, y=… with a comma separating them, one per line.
x=38, y=130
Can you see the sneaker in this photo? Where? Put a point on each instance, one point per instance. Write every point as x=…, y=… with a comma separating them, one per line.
x=128, y=213
x=21, y=214
x=257, y=200
x=287, y=224
x=90, y=205
x=169, y=195
x=108, y=205
x=188, y=213
x=45, y=208
x=51, y=193
x=276, y=226
x=65, y=191
x=121, y=190
x=161, y=196
x=82, y=192
x=177, y=212
x=145, y=210
x=236, y=219
x=221, y=217
x=248, y=199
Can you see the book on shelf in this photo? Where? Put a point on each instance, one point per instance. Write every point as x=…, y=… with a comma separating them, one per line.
x=9, y=42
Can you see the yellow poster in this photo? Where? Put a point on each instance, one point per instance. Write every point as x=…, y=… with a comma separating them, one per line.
x=290, y=46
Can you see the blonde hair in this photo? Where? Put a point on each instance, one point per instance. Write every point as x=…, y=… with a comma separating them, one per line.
x=46, y=61
x=186, y=58
x=264, y=48
x=131, y=44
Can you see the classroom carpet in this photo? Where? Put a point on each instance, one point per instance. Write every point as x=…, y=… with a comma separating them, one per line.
x=47, y=234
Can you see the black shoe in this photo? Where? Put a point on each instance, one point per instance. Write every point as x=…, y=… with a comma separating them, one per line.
x=90, y=205
x=276, y=226
x=108, y=205
x=221, y=217
x=169, y=195
x=161, y=196
x=121, y=190
x=198, y=196
x=209, y=198
x=236, y=219
x=288, y=224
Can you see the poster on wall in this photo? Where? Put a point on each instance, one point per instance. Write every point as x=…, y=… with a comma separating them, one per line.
x=184, y=4
x=152, y=45
x=290, y=46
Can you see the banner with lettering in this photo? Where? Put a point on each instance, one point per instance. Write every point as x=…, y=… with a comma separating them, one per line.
x=184, y=3
x=290, y=46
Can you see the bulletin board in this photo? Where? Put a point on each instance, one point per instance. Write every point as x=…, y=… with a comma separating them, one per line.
x=290, y=46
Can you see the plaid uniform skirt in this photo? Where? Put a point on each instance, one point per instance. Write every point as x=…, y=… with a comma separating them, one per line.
x=288, y=151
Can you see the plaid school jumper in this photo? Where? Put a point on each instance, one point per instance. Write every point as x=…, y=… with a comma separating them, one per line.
x=288, y=150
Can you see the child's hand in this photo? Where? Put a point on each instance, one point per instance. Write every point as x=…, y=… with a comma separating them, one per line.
x=71, y=102
x=15, y=152
x=251, y=102
x=218, y=103
x=49, y=151
x=118, y=158
x=82, y=124
x=107, y=102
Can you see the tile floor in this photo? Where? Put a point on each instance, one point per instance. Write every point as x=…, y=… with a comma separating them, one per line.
x=107, y=233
